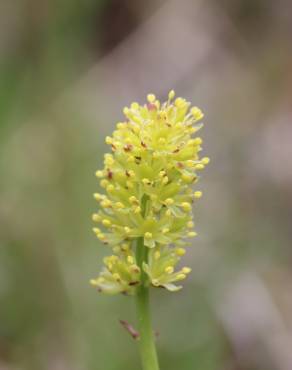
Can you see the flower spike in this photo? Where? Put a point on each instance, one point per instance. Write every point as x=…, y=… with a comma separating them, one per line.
x=147, y=193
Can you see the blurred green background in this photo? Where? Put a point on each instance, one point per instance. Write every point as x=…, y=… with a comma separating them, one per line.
x=67, y=68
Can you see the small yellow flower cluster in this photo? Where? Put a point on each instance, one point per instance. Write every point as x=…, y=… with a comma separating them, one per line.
x=147, y=181
x=120, y=275
x=161, y=267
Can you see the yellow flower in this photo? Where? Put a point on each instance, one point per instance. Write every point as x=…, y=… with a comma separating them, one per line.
x=120, y=275
x=160, y=268
x=147, y=183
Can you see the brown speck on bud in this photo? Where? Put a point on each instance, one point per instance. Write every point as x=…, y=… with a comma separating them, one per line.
x=109, y=174
x=128, y=147
x=151, y=106
x=143, y=144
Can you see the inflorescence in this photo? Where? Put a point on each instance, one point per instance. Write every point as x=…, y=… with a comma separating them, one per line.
x=147, y=180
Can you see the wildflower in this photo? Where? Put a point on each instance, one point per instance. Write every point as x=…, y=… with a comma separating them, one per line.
x=147, y=193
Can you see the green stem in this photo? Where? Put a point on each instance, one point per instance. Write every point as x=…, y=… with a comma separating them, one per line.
x=146, y=341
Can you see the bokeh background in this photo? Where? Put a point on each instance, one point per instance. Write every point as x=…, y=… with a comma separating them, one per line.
x=67, y=68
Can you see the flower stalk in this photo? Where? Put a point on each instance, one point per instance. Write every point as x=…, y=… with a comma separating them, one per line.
x=146, y=338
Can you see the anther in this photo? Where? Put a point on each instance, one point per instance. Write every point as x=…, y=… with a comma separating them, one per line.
x=151, y=98
x=186, y=206
x=186, y=270
x=99, y=173
x=96, y=217
x=198, y=141
x=181, y=277
x=199, y=166
x=148, y=235
x=169, y=269
x=169, y=201
x=171, y=94
x=205, y=160
x=180, y=251
x=106, y=222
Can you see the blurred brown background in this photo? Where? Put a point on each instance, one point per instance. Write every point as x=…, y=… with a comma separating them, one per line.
x=66, y=70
